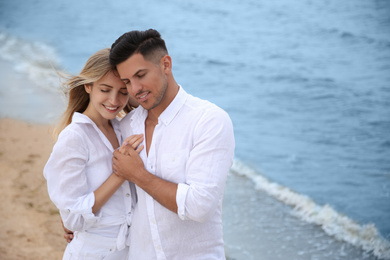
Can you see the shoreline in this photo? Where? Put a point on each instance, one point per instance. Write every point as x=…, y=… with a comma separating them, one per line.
x=258, y=225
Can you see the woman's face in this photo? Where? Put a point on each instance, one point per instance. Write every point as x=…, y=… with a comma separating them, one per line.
x=107, y=97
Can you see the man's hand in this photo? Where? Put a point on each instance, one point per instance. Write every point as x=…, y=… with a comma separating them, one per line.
x=68, y=235
x=129, y=165
x=126, y=159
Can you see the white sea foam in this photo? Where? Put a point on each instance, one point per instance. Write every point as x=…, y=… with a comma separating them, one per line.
x=333, y=223
x=36, y=60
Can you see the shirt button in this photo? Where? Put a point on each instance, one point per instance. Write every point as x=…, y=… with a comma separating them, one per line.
x=151, y=166
x=68, y=210
x=127, y=194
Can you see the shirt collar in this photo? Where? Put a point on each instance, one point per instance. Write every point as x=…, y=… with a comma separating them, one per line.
x=83, y=119
x=174, y=107
x=167, y=115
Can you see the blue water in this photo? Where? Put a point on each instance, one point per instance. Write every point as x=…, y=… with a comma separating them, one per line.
x=306, y=83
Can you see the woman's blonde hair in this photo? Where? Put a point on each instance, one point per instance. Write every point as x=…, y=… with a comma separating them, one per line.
x=97, y=66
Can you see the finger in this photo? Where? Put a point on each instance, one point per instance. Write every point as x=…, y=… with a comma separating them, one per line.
x=68, y=237
x=140, y=148
x=132, y=137
x=122, y=148
x=127, y=149
x=115, y=155
x=137, y=142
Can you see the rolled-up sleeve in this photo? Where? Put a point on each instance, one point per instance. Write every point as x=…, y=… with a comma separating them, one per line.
x=65, y=173
x=207, y=167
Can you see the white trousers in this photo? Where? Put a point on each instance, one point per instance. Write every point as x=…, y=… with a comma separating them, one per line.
x=86, y=246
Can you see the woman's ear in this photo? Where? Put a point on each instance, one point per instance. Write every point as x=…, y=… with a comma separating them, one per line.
x=88, y=88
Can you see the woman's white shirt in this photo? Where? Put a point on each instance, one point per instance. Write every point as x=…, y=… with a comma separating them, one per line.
x=80, y=162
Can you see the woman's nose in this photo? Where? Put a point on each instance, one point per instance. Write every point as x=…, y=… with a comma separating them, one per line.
x=114, y=99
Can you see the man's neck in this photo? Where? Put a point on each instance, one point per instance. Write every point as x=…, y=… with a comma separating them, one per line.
x=170, y=95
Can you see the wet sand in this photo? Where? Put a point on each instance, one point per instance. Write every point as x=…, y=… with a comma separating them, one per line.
x=257, y=226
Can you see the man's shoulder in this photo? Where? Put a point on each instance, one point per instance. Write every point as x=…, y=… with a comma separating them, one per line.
x=204, y=107
x=200, y=104
x=127, y=118
x=126, y=123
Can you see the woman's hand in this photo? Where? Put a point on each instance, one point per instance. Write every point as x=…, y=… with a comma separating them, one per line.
x=129, y=152
x=132, y=142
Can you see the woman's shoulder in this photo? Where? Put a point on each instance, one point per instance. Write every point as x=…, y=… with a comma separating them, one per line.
x=73, y=132
x=78, y=127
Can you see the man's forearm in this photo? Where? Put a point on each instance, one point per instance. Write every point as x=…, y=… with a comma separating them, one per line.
x=164, y=192
x=131, y=167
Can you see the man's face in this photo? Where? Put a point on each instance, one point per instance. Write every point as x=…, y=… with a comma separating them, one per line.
x=145, y=80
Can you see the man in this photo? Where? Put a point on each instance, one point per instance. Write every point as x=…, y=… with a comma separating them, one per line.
x=181, y=173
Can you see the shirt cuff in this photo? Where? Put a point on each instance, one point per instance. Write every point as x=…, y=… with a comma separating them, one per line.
x=80, y=217
x=181, y=194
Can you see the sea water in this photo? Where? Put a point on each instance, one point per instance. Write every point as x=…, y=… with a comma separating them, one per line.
x=306, y=84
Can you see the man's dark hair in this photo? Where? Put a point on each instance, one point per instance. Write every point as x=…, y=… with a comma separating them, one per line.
x=148, y=43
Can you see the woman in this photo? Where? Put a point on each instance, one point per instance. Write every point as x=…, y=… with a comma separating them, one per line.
x=93, y=202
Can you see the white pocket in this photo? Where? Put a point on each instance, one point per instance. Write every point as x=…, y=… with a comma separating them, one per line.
x=173, y=165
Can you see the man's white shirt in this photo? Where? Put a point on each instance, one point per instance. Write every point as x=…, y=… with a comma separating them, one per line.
x=192, y=145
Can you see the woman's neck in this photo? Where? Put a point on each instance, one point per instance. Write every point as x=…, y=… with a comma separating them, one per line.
x=100, y=122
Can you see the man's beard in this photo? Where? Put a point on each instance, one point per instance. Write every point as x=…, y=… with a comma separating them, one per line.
x=160, y=95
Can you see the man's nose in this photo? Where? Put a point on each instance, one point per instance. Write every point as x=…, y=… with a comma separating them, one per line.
x=136, y=88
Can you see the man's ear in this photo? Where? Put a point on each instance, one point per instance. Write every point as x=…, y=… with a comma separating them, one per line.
x=166, y=63
x=88, y=88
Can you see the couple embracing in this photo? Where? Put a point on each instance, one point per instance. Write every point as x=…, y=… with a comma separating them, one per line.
x=140, y=166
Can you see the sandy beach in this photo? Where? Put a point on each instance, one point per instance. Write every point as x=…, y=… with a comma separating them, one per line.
x=30, y=223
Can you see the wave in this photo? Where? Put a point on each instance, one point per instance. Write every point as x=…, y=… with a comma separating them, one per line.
x=37, y=60
x=333, y=223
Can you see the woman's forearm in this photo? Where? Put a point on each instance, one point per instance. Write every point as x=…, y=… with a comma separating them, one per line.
x=106, y=190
